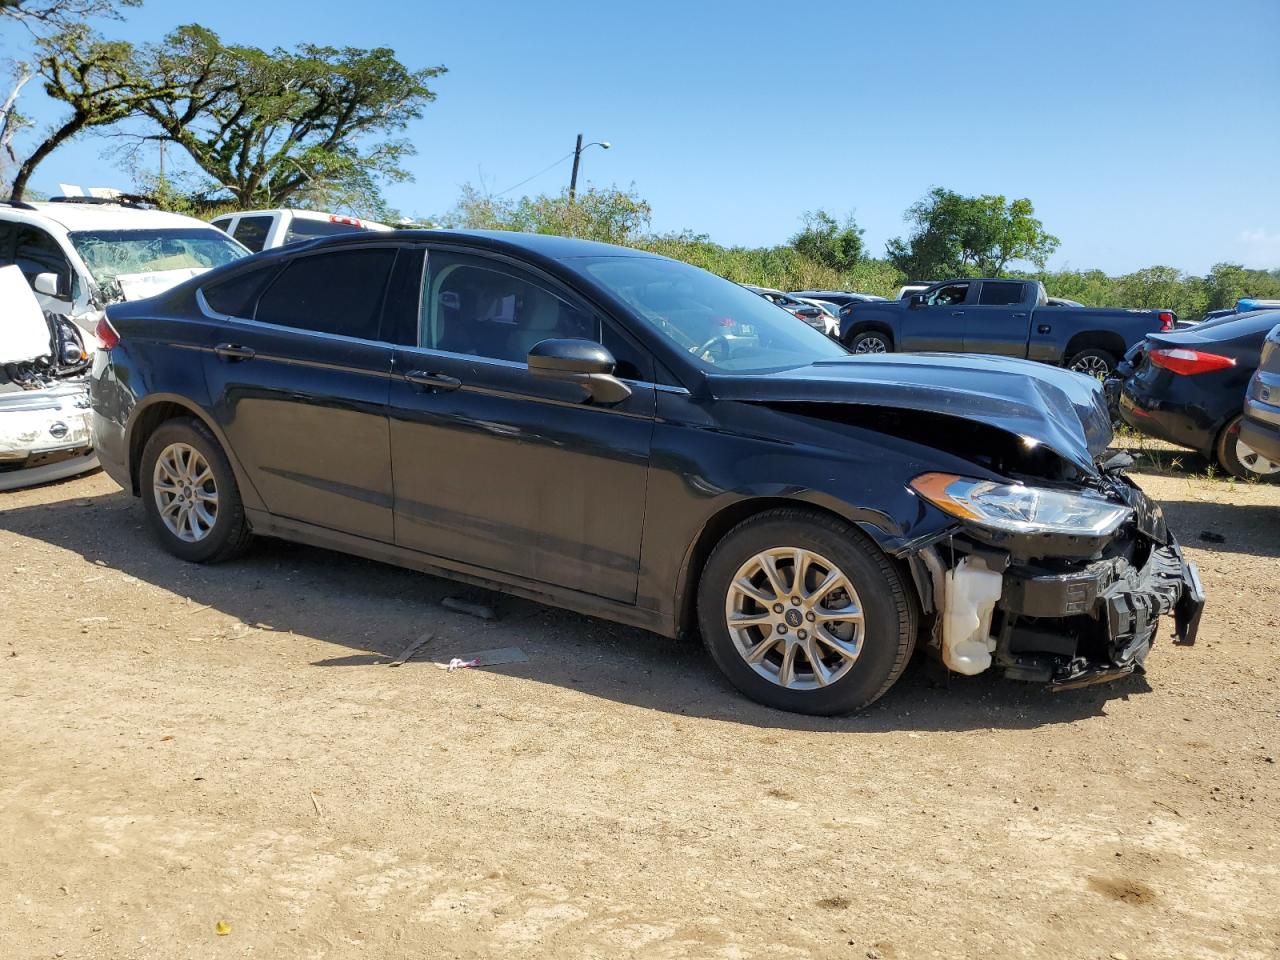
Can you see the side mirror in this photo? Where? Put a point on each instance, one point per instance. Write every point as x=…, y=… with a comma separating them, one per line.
x=917, y=300
x=583, y=362
x=47, y=283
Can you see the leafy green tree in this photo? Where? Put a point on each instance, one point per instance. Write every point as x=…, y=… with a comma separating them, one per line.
x=609, y=215
x=43, y=17
x=97, y=79
x=1229, y=282
x=969, y=236
x=836, y=244
x=274, y=127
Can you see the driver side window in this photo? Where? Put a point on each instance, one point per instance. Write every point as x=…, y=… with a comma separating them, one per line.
x=949, y=295
x=36, y=252
x=484, y=308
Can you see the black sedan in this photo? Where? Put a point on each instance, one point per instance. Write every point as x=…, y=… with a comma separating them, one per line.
x=631, y=437
x=1188, y=387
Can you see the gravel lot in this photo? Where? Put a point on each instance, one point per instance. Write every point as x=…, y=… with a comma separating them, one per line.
x=218, y=762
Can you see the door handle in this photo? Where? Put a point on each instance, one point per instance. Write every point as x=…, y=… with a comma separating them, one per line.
x=233, y=352
x=1020, y=316
x=1044, y=328
x=432, y=381
x=957, y=313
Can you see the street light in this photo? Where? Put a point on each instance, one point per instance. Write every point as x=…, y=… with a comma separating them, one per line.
x=577, y=156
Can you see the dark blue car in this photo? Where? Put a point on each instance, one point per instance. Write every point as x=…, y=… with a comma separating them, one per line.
x=631, y=437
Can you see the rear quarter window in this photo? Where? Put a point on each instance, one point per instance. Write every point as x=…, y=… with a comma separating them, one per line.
x=237, y=296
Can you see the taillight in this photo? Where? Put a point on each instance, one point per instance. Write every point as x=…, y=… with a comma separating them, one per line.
x=106, y=334
x=1166, y=321
x=1189, y=362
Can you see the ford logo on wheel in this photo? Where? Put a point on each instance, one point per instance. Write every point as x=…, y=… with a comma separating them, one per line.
x=58, y=430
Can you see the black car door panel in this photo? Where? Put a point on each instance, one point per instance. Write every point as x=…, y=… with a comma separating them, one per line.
x=497, y=467
x=306, y=409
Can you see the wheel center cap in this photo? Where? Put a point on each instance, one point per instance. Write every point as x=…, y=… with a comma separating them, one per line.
x=794, y=618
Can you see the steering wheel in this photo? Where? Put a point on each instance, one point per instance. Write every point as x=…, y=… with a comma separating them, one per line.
x=698, y=351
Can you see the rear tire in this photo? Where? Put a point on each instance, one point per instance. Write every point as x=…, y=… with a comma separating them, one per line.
x=871, y=341
x=190, y=495
x=859, y=656
x=1242, y=461
x=1096, y=363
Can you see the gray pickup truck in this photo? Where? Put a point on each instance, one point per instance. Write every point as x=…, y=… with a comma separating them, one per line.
x=1012, y=318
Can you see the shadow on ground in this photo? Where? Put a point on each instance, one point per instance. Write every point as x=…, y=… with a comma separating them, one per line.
x=377, y=610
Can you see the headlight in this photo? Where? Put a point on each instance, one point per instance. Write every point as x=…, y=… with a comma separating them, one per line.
x=1014, y=508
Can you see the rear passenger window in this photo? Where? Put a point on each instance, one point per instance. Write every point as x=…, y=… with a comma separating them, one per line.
x=338, y=292
x=252, y=232
x=998, y=294
x=236, y=296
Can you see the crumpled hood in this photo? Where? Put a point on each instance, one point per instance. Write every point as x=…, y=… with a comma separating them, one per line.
x=139, y=286
x=1063, y=410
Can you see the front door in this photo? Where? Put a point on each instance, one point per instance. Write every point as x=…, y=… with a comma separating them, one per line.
x=502, y=470
x=301, y=389
x=938, y=324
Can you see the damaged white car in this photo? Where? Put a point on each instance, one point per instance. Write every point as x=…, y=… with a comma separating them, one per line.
x=44, y=398
x=79, y=254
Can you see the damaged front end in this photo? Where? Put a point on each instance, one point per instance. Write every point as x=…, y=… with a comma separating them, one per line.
x=1069, y=598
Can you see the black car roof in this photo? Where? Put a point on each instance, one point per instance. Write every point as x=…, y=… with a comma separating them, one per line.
x=542, y=245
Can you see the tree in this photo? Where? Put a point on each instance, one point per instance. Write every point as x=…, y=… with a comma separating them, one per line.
x=608, y=215
x=969, y=236
x=270, y=127
x=834, y=244
x=96, y=78
x=43, y=17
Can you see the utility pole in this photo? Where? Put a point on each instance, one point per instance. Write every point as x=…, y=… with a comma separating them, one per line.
x=573, y=177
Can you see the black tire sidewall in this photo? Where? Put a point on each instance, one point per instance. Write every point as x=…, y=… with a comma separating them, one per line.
x=228, y=525
x=887, y=640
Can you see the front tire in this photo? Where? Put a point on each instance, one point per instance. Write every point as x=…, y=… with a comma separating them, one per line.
x=871, y=341
x=1241, y=460
x=190, y=495
x=831, y=641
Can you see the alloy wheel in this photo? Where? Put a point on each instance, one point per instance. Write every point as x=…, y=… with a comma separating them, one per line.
x=795, y=618
x=1255, y=462
x=1095, y=367
x=186, y=493
x=871, y=345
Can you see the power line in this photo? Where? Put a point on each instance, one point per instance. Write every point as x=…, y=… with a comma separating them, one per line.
x=538, y=174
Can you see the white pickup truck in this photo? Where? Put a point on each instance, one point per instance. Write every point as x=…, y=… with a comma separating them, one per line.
x=267, y=229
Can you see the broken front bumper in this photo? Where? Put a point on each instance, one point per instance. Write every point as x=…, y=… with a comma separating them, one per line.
x=1095, y=624
x=1044, y=616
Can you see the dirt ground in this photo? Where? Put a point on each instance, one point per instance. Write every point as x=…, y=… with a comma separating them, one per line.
x=218, y=762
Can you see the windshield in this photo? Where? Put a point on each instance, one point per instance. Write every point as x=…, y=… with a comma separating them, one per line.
x=720, y=324
x=110, y=253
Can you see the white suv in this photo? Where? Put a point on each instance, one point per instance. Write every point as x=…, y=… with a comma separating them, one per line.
x=267, y=229
x=79, y=253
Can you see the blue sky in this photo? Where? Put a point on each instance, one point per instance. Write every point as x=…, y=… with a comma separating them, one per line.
x=1145, y=132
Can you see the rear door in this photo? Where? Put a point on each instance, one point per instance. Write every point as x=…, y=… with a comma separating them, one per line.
x=502, y=470
x=1000, y=321
x=299, y=377
x=939, y=323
